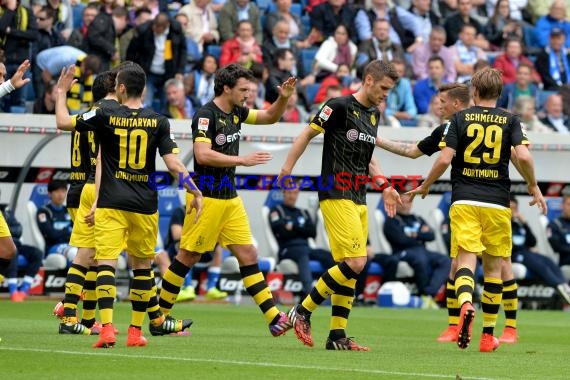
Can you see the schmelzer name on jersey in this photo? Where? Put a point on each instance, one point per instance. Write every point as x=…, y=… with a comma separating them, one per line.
x=353, y=135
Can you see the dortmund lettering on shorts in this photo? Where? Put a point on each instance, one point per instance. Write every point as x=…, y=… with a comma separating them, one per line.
x=350, y=131
x=482, y=138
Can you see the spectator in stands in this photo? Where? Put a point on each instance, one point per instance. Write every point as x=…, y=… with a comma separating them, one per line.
x=539, y=8
x=558, y=233
x=160, y=48
x=279, y=39
x=555, y=118
x=516, y=8
x=434, y=117
x=254, y=100
x=293, y=227
x=285, y=67
x=202, y=25
x=53, y=219
x=555, y=19
x=178, y=105
x=326, y=17
x=501, y=27
x=552, y=63
x=295, y=28
x=63, y=22
x=243, y=48
x=511, y=60
x=103, y=32
x=295, y=113
x=235, y=11
x=466, y=53
x=334, y=51
x=389, y=264
x=425, y=89
x=525, y=107
x=541, y=266
x=426, y=17
x=400, y=102
x=45, y=104
x=18, y=29
x=405, y=28
x=187, y=292
x=522, y=86
x=331, y=91
x=142, y=15
x=202, y=80
x=434, y=46
x=454, y=25
x=407, y=233
x=48, y=37
x=52, y=61
x=380, y=46
x=346, y=83
x=78, y=37
x=33, y=258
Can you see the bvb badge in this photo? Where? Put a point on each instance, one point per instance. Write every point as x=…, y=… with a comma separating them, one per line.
x=373, y=119
x=236, y=119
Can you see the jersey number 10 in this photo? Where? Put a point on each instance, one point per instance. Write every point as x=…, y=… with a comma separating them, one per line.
x=491, y=137
x=132, y=148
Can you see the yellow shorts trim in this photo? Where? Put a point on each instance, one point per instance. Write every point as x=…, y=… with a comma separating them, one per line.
x=83, y=235
x=481, y=229
x=112, y=227
x=222, y=221
x=347, y=226
x=4, y=230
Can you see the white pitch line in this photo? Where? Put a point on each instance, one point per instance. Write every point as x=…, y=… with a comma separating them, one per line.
x=245, y=363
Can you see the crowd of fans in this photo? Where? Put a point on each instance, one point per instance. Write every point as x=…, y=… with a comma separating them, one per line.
x=325, y=43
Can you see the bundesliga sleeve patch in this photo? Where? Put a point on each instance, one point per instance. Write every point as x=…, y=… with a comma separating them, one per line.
x=325, y=113
x=42, y=218
x=90, y=114
x=203, y=124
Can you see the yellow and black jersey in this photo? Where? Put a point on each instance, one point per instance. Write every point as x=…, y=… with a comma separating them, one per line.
x=349, y=139
x=84, y=149
x=430, y=144
x=81, y=145
x=482, y=138
x=129, y=140
x=223, y=130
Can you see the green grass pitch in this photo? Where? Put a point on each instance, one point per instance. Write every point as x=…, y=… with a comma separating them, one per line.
x=233, y=342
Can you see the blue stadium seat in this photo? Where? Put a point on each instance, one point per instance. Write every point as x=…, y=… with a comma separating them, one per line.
x=375, y=269
x=168, y=202
x=192, y=51
x=554, y=207
x=307, y=58
x=263, y=5
x=437, y=216
x=311, y=91
x=306, y=24
x=215, y=50
x=296, y=9
x=38, y=198
x=77, y=11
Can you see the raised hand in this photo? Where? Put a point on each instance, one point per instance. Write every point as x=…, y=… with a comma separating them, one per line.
x=288, y=87
x=256, y=158
x=66, y=79
x=18, y=79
